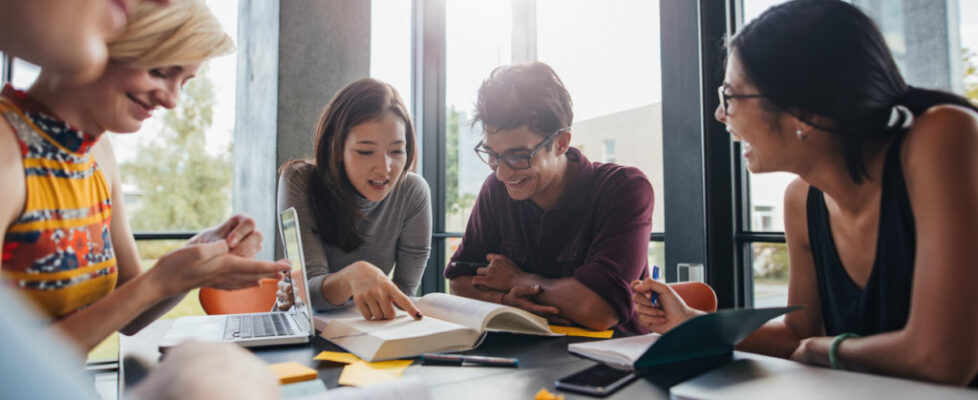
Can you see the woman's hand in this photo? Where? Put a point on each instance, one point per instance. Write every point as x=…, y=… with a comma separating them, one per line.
x=813, y=350
x=238, y=231
x=283, y=295
x=212, y=265
x=195, y=370
x=374, y=293
x=670, y=309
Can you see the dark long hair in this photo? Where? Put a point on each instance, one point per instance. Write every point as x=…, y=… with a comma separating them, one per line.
x=330, y=191
x=826, y=58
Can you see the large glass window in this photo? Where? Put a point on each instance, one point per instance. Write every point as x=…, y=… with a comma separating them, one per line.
x=478, y=38
x=910, y=32
x=612, y=72
x=390, y=45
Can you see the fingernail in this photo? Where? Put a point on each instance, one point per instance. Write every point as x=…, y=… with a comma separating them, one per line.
x=417, y=315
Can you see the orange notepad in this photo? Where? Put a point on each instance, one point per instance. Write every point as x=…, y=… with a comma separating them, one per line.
x=289, y=372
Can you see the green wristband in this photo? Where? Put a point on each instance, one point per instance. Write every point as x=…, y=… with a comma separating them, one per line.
x=833, y=358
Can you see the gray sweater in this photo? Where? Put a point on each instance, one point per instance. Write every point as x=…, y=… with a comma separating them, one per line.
x=397, y=232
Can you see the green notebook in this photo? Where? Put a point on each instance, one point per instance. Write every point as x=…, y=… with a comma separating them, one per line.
x=702, y=336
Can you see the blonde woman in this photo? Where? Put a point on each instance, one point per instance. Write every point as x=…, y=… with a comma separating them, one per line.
x=67, y=242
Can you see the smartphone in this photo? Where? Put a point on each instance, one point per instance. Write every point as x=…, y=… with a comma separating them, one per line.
x=599, y=380
x=468, y=267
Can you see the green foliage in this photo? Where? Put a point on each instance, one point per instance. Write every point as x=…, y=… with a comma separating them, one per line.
x=970, y=75
x=771, y=261
x=454, y=201
x=183, y=187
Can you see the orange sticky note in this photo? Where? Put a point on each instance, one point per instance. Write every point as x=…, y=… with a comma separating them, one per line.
x=290, y=372
x=575, y=331
x=544, y=394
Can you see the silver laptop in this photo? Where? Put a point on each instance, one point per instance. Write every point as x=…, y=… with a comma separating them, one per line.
x=293, y=325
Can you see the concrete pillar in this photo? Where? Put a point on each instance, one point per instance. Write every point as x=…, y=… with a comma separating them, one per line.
x=293, y=56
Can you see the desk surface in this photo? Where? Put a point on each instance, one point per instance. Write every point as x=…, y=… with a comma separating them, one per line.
x=544, y=360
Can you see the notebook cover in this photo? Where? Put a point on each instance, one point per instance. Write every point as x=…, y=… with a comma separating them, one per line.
x=708, y=335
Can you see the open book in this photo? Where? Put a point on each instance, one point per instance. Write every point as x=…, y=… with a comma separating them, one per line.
x=702, y=336
x=450, y=323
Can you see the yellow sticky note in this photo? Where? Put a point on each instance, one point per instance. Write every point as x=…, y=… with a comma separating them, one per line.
x=363, y=373
x=392, y=364
x=575, y=331
x=337, y=357
x=544, y=394
x=289, y=372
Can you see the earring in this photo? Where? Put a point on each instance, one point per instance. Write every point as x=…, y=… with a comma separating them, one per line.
x=800, y=133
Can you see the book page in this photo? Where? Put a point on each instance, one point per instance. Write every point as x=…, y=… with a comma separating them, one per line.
x=618, y=352
x=482, y=315
x=460, y=310
x=365, y=338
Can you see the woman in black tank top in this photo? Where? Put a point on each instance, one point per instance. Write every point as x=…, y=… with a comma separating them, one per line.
x=882, y=222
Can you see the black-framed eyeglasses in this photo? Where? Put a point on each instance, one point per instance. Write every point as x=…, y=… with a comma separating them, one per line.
x=725, y=98
x=514, y=161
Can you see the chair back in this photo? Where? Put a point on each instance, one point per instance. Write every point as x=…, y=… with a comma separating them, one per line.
x=697, y=295
x=260, y=298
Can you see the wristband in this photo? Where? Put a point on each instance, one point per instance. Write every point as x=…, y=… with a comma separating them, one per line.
x=833, y=357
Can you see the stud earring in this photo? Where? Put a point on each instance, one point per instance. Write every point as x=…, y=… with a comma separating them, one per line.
x=800, y=133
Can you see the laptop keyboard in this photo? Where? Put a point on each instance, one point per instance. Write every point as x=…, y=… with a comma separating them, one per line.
x=258, y=325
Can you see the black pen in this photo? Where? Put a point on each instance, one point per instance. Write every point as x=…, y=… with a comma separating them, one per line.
x=458, y=359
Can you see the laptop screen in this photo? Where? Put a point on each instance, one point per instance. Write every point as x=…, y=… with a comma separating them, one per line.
x=289, y=223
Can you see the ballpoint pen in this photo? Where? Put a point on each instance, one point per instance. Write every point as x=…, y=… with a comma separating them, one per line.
x=655, y=276
x=459, y=359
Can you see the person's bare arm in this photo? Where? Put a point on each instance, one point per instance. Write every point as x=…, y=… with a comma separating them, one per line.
x=11, y=179
x=781, y=338
x=123, y=243
x=940, y=340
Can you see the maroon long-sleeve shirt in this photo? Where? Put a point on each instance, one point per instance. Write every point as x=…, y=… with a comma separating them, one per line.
x=597, y=233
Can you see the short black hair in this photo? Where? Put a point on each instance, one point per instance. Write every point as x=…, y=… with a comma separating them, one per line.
x=530, y=95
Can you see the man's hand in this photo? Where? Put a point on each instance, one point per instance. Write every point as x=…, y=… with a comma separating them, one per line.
x=501, y=274
x=240, y=233
x=522, y=297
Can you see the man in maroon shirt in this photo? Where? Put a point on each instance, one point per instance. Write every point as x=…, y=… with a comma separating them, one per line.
x=563, y=236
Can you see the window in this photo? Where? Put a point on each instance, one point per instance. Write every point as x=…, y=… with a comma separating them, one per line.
x=608, y=155
x=612, y=73
x=478, y=38
x=24, y=74
x=390, y=45
x=926, y=57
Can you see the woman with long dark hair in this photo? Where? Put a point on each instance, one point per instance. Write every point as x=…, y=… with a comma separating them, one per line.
x=365, y=214
x=881, y=223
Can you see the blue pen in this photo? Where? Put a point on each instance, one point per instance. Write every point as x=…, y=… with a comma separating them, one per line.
x=655, y=277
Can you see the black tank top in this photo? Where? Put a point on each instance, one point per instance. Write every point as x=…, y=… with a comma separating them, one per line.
x=884, y=304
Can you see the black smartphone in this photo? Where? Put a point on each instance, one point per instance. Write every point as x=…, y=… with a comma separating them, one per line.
x=599, y=380
x=469, y=267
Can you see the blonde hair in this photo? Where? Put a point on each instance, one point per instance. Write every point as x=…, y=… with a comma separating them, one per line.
x=182, y=32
